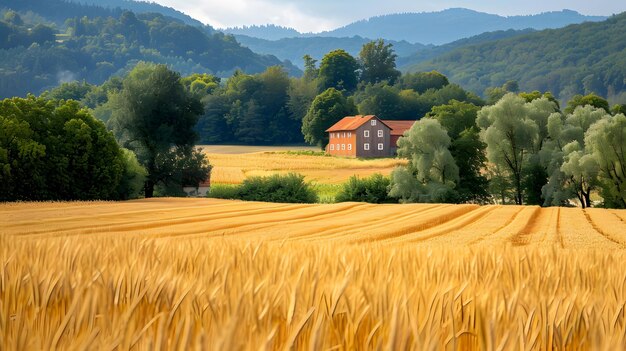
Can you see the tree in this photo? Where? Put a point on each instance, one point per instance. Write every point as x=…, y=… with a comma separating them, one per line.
x=338, y=70
x=590, y=99
x=378, y=62
x=154, y=115
x=422, y=81
x=327, y=109
x=311, y=71
x=432, y=174
x=512, y=130
x=606, y=140
x=572, y=173
x=55, y=150
x=468, y=151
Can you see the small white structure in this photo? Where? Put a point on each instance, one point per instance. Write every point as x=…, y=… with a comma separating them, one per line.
x=202, y=190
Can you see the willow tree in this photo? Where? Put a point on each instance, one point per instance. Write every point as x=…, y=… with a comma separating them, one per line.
x=432, y=173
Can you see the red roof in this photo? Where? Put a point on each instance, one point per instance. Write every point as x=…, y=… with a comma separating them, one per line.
x=351, y=123
x=399, y=127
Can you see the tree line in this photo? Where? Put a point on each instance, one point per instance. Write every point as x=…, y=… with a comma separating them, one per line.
x=524, y=149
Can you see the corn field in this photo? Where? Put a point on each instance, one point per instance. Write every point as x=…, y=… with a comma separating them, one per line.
x=227, y=275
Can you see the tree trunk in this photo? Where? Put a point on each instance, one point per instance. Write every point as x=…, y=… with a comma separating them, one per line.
x=518, y=189
x=588, y=198
x=148, y=187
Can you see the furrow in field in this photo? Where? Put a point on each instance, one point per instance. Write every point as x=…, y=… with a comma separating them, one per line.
x=115, y=212
x=607, y=224
x=423, y=222
x=444, y=229
x=508, y=217
x=577, y=232
x=260, y=227
x=348, y=226
x=516, y=225
x=187, y=224
x=541, y=229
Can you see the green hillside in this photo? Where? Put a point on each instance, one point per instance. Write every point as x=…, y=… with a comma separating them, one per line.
x=578, y=59
x=97, y=43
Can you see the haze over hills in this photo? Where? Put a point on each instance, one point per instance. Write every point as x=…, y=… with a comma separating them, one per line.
x=293, y=49
x=578, y=59
x=427, y=27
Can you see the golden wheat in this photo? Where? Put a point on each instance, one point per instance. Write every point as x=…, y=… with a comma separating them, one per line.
x=228, y=275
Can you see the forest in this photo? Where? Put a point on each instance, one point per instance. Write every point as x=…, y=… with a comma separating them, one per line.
x=34, y=58
x=578, y=59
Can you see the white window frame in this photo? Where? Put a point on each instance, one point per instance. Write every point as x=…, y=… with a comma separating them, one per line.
x=338, y=147
x=373, y=122
x=332, y=147
x=380, y=133
x=381, y=146
x=349, y=134
x=366, y=133
x=366, y=146
x=349, y=147
x=343, y=146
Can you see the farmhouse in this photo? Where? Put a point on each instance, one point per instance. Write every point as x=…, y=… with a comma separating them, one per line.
x=365, y=136
x=200, y=190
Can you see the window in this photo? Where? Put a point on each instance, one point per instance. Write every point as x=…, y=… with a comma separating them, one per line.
x=366, y=146
x=349, y=146
x=366, y=133
x=380, y=133
x=344, y=134
x=373, y=122
x=332, y=147
x=338, y=147
x=380, y=146
x=349, y=134
x=343, y=146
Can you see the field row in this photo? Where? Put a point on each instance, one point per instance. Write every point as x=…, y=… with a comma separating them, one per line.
x=347, y=223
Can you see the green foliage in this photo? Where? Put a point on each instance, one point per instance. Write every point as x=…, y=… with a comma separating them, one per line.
x=338, y=70
x=422, y=81
x=378, y=63
x=432, y=173
x=514, y=130
x=605, y=140
x=154, y=115
x=224, y=191
x=578, y=59
x=327, y=109
x=590, y=99
x=373, y=190
x=290, y=188
x=55, y=150
x=99, y=43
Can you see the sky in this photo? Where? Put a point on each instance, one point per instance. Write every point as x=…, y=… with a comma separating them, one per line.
x=320, y=15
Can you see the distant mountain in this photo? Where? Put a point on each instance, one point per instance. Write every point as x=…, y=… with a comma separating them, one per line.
x=577, y=59
x=428, y=27
x=97, y=43
x=430, y=52
x=267, y=32
x=452, y=24
x=293, y=49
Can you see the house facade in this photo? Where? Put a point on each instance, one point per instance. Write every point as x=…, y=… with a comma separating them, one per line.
x=201, y=190
x=365, y=136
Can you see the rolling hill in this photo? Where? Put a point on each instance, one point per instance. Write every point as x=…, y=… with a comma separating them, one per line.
x=577, y=59
x=95, y=43
x=427, y=27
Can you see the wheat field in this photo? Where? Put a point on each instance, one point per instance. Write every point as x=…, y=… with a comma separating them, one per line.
x=178, y=274
x=233, y=164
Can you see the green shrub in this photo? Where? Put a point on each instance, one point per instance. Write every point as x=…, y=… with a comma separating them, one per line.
x=224, y=191
x=290, y=188
x=373, y=190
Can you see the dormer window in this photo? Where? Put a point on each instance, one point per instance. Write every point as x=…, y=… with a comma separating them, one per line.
x=373, y=122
